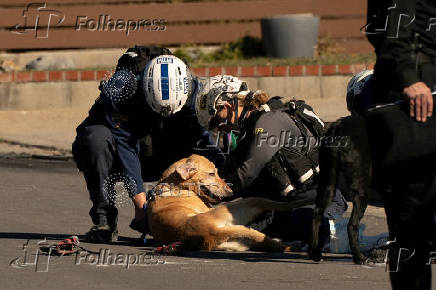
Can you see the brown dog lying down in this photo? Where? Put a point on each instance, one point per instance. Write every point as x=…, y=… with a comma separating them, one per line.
x=182, y=211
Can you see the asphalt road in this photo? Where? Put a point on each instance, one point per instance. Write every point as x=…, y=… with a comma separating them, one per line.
x=48, y=200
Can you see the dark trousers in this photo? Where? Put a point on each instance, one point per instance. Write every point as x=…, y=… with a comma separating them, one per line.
x=410, y=211
x=296, y=225
x=410, y=206
x=94, y=152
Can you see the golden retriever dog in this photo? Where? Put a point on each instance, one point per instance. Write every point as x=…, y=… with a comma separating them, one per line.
x=183, y=210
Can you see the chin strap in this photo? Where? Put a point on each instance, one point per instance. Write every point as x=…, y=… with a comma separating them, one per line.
x=248, y=96
x=196, y=90
x=238, y=121
x=236, y=111
x=244, y=115
x=235, y=125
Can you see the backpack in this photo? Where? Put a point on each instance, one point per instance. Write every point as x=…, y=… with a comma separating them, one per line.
x=292, y=170
x=136, y=58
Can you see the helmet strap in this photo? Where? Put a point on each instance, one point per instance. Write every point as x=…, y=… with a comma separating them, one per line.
x=238, y=120
x=236, y=111
x=244, y=114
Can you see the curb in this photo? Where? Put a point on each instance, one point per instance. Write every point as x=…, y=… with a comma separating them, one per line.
x=52, y=153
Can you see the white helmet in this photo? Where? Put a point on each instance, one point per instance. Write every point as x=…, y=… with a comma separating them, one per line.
x=167, y=84
x=218, y=90
x=355, y=87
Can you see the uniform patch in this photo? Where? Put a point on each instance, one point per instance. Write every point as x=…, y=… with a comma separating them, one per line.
x=258, y=130
x=164, y=60
x=185, y=85
x=203, y=100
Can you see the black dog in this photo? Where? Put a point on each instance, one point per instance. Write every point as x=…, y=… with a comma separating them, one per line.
x=352, y=159
x=383, y=148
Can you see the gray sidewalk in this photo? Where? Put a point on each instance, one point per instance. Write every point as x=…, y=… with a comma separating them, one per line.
x=48, y=132
x=53, y=131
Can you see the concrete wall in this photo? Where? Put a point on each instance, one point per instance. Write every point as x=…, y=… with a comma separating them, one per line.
x=307, y=87
x=48, y=95
x=47, y=112
x=76, y=95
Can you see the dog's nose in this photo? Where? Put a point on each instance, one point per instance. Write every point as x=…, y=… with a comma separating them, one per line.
x=228, y=190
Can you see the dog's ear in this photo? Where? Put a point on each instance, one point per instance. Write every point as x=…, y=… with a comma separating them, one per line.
x=186, y=170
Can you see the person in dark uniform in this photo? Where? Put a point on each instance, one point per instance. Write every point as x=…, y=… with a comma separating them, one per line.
x=403, y=34
x=258, y=131
x=148, y=88
x=406, y=69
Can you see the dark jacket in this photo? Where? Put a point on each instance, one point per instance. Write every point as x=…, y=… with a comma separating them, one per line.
x=127, y=125
x=258, y=142
x=131, y=120
x=163, y=140
x=407, y=42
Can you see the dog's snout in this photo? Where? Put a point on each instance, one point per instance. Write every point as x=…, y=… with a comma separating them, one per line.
x=228, y=189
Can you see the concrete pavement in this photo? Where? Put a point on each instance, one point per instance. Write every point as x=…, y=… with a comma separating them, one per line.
x=48, y=199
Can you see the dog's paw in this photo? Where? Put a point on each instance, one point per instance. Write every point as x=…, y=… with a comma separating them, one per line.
x=287, y=249
x=315, y=254
x=360, y=260
x=316, y=257
x=295, y=246
x=377, y=256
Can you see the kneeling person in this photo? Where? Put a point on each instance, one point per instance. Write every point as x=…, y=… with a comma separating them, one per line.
x=148, y=86
x=272, y=145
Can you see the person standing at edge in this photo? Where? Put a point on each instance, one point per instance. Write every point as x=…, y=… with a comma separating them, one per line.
x=404, y=39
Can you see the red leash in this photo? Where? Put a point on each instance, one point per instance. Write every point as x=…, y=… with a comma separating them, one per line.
x=171, y=249
x=67, y=246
